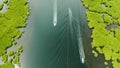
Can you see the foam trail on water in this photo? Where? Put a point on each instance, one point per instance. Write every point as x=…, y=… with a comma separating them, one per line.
x=55, y=13
x=70, y=20
x=70, y=15
x=80, y=44
x=79, y=38
x=70, y=23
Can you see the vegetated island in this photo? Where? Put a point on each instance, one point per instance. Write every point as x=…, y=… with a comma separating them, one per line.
x=104, y=20
x=11, y=21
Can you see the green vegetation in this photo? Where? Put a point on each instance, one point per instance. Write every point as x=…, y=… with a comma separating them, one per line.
x=1, y=6
x=20, y=48
x=105, y=63
x=101, y=14
x=7, y=65
x=95, y=53
x=10, y=21
x=16, y=59
x=5, y=1
x=11, y=53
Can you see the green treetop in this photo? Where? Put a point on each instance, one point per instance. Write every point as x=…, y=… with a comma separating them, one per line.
x=13, y=18
x=101, y=15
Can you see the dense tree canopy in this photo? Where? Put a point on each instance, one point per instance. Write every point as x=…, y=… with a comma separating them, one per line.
x=13, y=18
x=104, y=20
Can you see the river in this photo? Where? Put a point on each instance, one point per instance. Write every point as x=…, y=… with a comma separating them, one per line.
x=51, y=46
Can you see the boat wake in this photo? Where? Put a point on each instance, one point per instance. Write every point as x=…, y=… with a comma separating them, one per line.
x=55, y=13
x=78, y=34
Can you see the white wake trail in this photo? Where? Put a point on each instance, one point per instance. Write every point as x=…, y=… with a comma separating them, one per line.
x=55, y=13
x=79, y=38
x=80, y=44
x=70, y=20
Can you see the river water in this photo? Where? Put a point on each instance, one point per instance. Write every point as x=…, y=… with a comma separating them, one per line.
x=51, y=46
